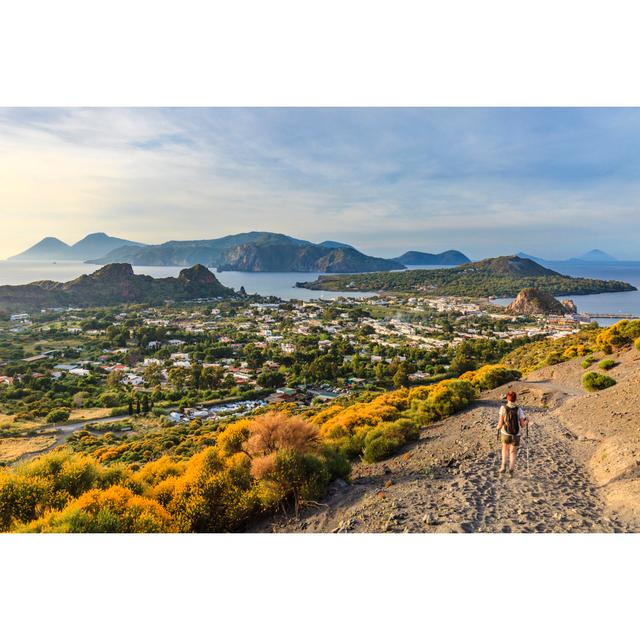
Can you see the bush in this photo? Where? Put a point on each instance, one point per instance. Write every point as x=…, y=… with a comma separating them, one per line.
x=619, y=335
x=50, y=482
x=58, y=415
x=382, y=441
x=593, y=381
x=490, y=376
x=113, y=510
x=109, y=399
x=637, y=343
x=588, y=361
x=605, y=365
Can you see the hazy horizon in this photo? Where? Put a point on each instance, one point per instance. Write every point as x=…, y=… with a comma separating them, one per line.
x=72, y=240
x=487, y=181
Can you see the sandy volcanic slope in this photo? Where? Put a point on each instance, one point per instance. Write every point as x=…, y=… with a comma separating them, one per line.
x=584, y=467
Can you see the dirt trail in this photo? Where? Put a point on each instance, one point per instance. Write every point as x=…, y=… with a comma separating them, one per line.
x=449, y=481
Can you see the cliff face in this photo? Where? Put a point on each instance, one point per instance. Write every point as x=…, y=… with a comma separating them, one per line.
x=307, y=258
x=531, y=302
x=255, y=251
x=112, y=285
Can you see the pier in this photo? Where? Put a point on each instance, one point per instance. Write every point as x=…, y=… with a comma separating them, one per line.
x=622, y=316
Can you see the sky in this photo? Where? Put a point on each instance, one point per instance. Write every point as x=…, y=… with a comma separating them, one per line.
x=487, y=181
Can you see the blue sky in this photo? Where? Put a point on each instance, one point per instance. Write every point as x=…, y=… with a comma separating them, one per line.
x=552, y=182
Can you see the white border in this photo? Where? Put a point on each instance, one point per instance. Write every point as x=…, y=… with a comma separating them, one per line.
x=318, y=53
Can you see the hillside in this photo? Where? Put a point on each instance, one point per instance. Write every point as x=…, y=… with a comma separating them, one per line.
x=91, y=246
x=111, y=285
x=334, y=244
x=501, y=277
x=415, y=258
x=253, y=251
x=584, y=458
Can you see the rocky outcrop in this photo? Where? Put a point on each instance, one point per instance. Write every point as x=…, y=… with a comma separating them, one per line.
x=533, y=302
x=113, y=284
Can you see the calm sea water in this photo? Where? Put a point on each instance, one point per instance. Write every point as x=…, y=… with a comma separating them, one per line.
x=283, y=284
x=266, y=284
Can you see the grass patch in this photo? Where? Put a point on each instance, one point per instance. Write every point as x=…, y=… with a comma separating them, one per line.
x=90, y=413
x=13, y=448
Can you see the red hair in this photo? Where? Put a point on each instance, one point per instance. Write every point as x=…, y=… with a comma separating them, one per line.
x=512, y=396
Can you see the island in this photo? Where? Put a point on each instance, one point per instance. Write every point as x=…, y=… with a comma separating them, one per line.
x=500, y=277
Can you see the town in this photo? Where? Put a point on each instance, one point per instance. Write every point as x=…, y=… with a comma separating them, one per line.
x=215, y=360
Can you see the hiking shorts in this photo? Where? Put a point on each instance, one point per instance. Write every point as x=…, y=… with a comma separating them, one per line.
x=506, y=438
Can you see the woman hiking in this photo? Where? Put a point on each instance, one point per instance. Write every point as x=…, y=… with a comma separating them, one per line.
x=511, y=420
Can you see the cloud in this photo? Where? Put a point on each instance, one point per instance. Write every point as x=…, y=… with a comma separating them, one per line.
x=486, y=181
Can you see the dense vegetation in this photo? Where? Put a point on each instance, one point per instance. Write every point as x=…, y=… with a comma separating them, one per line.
x=221, y=478
x=545, y=352
x=621, y=334
x=254, y=467
x=584, y=343
x=499, y=277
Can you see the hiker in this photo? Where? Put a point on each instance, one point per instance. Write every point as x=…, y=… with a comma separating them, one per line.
x=512, y=419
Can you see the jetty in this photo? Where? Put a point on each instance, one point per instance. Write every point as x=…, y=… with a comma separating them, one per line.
x=622, y=316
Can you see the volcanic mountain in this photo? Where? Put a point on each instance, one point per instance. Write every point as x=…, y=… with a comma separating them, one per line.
x=92, y=246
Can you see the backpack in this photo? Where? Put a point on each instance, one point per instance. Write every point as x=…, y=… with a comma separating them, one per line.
x=511, y=421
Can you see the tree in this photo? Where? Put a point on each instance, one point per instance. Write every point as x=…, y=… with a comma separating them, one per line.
x=115, y=378
x=153, y=375
x=270, y=379
x=145, y=403
x=80, y=398
x=178, y=378
x=211, y=377
x=58, y=415
x=130, y=407
x=401, y=379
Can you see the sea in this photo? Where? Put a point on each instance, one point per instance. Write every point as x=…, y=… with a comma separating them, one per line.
x=283, y=286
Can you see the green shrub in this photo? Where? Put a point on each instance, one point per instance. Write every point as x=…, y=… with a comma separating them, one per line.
x=605, y=365
x=593, y=381
x=58, y=415
x=637, y=343
x=555, y=357
x=588, y=361
x=490, y=376
x=109, y=399
x=384, y=440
